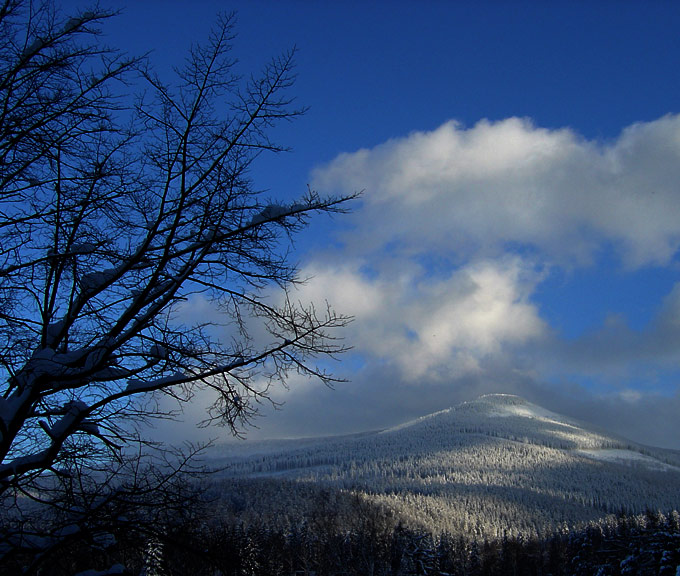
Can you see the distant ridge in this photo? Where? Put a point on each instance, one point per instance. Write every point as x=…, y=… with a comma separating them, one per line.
x=492, y=466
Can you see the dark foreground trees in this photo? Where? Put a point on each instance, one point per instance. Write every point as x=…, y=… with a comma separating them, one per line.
x=116, y=214
x=639, y=545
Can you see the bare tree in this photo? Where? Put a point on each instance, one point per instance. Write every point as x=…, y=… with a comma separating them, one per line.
x=115, y=212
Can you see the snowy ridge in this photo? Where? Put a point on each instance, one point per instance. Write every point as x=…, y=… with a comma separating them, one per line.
x=511, y=417
x=507, y=405
x=630, y=458
x=491, y=406
x=415, y=422
x=504, y=405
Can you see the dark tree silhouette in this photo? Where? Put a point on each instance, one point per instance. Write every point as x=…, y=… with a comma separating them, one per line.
x=115, y=211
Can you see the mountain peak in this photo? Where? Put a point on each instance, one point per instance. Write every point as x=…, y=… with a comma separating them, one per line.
x=503, y=398
x=505, y=405
x=502, y=401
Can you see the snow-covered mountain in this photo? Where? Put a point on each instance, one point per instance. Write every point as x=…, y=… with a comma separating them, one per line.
x=497, y=465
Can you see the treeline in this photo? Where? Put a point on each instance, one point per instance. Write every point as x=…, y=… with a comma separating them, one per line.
x=640, y=545
x=370, y=541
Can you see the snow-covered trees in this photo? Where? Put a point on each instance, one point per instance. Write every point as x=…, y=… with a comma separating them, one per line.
x=117, y=212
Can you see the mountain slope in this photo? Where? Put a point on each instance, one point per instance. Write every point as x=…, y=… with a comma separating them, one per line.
x=497, y=465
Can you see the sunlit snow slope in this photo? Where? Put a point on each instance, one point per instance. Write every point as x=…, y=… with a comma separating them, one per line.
x=496, y=465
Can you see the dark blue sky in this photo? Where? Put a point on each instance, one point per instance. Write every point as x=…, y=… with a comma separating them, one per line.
x=381, y=69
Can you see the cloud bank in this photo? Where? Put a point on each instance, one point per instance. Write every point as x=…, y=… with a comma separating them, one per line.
x=444, y=261
x=445, y=264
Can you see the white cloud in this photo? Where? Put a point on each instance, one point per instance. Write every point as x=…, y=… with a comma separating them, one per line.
x=477, y=310
x=473, y=191
x=433, y=328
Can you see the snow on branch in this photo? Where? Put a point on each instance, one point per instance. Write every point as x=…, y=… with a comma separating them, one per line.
x=75, y=22
x=274, y=212
x=136, y=386
x=74, y=411
x=95, y=281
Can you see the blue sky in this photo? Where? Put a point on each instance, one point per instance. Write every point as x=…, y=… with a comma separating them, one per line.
x=520, y=223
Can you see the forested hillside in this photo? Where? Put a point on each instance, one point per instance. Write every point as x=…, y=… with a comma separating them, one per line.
x=495, y=467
